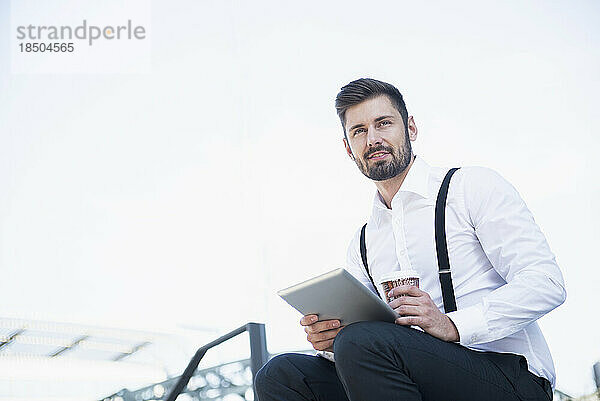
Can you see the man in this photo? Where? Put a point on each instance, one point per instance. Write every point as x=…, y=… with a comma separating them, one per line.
x=504, y=278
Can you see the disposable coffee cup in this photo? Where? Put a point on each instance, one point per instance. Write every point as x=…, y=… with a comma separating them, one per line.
x=395, y=279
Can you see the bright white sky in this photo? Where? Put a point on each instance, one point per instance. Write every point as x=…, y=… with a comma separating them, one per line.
x=190, y=194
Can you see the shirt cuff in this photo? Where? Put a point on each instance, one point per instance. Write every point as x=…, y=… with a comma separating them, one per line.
x=471, y=325
x=327, y=355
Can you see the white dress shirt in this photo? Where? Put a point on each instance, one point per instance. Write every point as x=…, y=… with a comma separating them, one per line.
x=505, y=277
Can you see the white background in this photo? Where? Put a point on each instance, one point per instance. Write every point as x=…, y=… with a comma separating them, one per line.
x=219, y=176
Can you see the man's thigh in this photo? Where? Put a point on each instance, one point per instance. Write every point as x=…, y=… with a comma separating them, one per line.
x=440, y=370
x=290, y=377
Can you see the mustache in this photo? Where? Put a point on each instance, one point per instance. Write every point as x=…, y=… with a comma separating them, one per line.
x=379, y=148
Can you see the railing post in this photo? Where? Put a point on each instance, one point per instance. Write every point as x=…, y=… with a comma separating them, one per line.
x=258, y=347
x=191, y=368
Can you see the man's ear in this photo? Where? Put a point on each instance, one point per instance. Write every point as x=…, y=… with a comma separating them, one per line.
x=412, y=129
x=348, y=150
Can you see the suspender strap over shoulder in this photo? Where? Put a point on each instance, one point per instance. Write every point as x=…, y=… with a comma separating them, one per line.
x=441, y=245
x=363, y=255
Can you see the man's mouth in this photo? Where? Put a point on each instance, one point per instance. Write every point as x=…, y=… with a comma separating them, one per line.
x=378, y=155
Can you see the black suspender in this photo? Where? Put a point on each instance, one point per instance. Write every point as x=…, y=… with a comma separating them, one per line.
x=440, y=245
x=363, y=255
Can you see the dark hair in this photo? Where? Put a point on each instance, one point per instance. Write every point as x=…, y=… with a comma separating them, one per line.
x=364, y=89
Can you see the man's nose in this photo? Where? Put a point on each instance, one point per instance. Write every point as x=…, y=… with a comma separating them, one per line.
x=373, y=137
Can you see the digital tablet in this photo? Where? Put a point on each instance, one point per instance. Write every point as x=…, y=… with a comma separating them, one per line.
x=337, y=295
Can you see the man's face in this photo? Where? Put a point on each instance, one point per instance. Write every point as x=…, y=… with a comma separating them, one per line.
x=377, y=140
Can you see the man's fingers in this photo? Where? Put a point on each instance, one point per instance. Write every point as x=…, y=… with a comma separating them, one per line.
x=408, y=321
x=409, y=310
x=415, y=301
x=323, y=345
x=406, y=290
x=308, y=319
x=322, y=326
x=322, y=336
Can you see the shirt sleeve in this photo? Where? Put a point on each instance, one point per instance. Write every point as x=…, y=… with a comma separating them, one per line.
x=518, y=251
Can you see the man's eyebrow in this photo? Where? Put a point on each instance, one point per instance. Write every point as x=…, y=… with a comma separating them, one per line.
x=376, y=120
x=382, y=118
x=356, y=126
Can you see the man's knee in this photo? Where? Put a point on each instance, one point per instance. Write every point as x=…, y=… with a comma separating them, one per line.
x=271, y=371
x=368, y=338
x=284, y=369
x=348, y=338
x=354, y=339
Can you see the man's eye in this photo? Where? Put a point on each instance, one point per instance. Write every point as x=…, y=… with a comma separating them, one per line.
x=359, y=131
x=385, y=122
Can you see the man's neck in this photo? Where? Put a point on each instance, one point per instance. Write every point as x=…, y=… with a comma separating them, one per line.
x=388, y=188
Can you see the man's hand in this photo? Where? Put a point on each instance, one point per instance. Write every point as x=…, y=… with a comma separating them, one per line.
x=320, y=334
x=417, y=309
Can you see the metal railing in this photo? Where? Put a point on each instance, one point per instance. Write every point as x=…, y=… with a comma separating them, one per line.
x=258, y=354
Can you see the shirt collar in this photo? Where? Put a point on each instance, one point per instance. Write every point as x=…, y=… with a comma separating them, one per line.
x=416, y=181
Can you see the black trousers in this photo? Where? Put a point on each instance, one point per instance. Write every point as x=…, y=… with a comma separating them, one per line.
x=377, y=361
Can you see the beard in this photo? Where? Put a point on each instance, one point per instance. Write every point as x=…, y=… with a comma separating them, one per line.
x=381, y=170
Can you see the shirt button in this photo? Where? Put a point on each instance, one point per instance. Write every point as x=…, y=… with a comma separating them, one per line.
x=473, y=338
